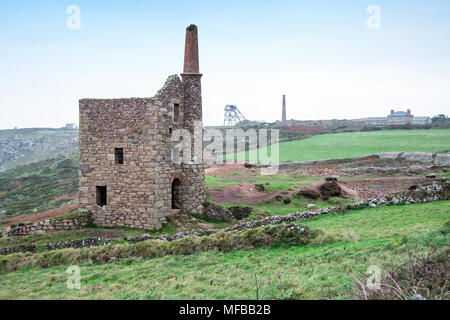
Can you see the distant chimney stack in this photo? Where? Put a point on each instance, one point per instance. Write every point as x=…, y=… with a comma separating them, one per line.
x=408, y=112
x=191, y=60
x=283, y=112
x=392, y=111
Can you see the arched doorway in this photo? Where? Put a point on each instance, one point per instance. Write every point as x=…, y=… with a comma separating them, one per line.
x=176, y=193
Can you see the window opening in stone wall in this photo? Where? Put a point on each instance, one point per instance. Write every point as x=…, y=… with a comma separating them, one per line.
x=176, y=112
x=176, y=194
x=118, y=155
x=101, y=196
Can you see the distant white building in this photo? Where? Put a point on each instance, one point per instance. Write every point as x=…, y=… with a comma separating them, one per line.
x=421, y=120
x=71, y=126
x=398, y=118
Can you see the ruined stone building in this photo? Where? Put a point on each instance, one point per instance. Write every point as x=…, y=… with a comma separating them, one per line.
x=127, y=177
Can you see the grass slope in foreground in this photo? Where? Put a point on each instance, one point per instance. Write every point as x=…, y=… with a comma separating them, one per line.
x=353, y=242
x=356, y=144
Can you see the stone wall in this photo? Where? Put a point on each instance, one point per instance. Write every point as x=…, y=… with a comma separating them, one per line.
x=422, y=157
x=441, y=159
x=139, y=191
x=46, y=226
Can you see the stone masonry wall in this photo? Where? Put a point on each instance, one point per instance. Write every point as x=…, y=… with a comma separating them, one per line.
x=45, y=226
x=139, y=190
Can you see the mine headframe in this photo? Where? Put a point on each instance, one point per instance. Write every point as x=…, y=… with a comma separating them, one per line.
x=232, y=116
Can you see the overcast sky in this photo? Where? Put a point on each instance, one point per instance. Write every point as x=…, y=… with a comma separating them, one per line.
x=321, y=54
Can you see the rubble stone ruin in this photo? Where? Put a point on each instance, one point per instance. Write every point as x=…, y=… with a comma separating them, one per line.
x=127, y=176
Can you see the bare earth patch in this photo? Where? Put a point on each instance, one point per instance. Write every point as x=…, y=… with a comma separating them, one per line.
x=36, y=217
x=382, y=186
x=243, y=193
x=228, y=169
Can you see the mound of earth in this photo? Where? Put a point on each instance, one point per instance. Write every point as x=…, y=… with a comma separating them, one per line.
x=240, y=213
x=330, y=189
x=309, y=194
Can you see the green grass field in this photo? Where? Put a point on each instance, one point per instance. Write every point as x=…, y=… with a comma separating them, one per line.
x=325, y=269
x=356, y=144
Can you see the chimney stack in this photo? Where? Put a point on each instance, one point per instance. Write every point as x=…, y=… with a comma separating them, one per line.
x=191, y=60
x=392, y=111
x=283, y=113
x=408, y=112
x=191, y=103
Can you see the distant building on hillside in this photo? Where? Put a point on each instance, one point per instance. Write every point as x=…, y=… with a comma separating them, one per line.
x=394, y=118
x=71, y=126
x=398, y=118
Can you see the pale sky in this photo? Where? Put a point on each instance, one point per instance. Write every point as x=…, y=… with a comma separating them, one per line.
x=321, y=54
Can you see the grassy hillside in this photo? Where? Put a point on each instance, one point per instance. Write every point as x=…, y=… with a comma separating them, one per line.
x=325, y=269
x=23, y=146
x=38, y=186
x=47, y=184
x=356, y=144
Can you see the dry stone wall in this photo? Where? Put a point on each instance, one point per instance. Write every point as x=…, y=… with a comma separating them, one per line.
x=46, y=226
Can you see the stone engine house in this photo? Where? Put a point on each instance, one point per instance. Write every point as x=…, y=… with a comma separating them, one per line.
x=127, y=177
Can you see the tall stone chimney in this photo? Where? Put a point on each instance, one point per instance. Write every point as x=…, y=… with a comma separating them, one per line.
x=283, y=112
x=193, y=184
x=408, y=112
x=392, y=111
x=192, y=91
x=191, y=60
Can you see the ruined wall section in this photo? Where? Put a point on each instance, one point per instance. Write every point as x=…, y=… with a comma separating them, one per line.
x=193, y=173
x=188, y=95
